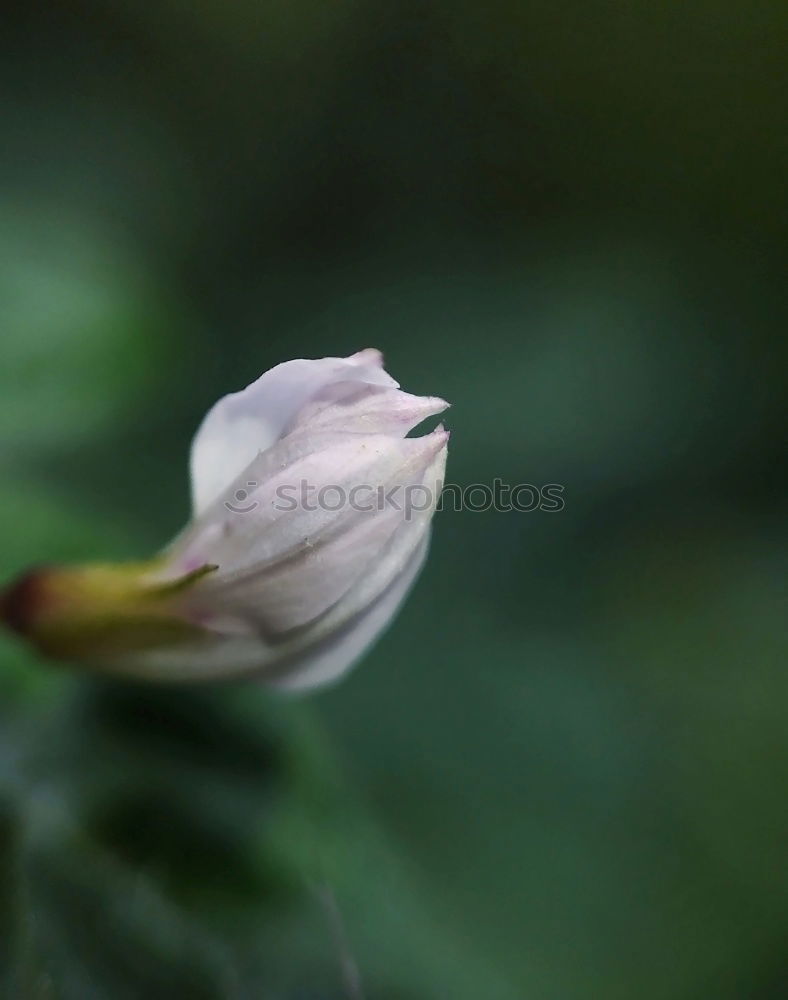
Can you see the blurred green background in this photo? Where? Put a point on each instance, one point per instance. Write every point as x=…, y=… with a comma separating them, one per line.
x=562, y=774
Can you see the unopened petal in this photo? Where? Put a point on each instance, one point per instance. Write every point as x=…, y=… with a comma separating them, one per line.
x=367, y=409
x=244, y=423
x=327, y=661
x=303, y=487
x=398, y=551
x=299, y=663
x=340, y=573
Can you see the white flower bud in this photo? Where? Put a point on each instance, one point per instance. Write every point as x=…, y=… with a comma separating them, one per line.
x=311, y=517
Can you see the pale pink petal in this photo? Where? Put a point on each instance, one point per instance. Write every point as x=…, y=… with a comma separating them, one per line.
x=327, y=661
x=244, y=423
x=366, y=409
x=395, y=554
x=301, y=585
x=272, y=521
x=294, y=665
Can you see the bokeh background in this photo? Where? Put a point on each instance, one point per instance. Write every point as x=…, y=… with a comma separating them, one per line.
x=562, y=773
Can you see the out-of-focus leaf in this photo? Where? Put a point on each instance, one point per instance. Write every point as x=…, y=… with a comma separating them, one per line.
x=76, y=314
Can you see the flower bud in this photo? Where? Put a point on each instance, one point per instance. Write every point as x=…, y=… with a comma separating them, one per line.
x=311, y=518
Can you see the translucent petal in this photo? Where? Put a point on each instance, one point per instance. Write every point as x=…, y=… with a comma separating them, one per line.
x=289, y=495
x=297, y=665
x=327, y=661
x=244, y=423
x=367, y=409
